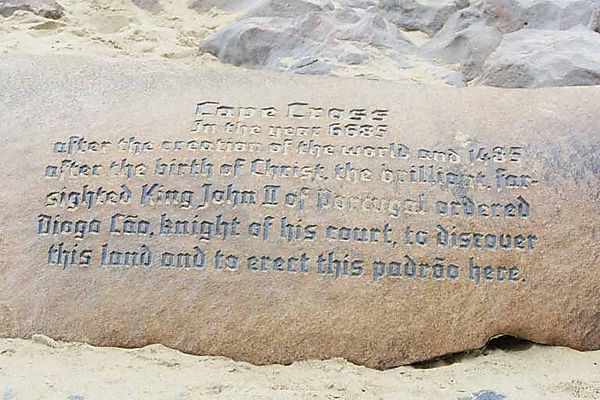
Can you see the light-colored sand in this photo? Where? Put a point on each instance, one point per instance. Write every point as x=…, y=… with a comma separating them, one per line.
x=35, y=370
x=113, y=28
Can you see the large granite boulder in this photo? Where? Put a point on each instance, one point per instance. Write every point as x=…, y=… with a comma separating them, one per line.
x=595, y=22
x=275, y=218
x=45, y=8
x=537, y=58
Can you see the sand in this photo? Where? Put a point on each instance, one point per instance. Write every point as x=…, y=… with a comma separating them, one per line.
x=44, y=369
x=113, y=28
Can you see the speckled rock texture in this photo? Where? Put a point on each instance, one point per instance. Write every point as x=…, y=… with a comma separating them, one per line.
x=273, y=218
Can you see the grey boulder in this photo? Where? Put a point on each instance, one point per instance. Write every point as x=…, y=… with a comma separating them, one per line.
x=44, y=8
x=415, y=15
x=465, y=40
x=152, y=6
x=302, y=36
x=539, y=58
x=471, y=34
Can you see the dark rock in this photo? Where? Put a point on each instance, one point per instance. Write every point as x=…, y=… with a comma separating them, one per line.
x=484, y=395
x=44, y=8
x=427, y=17
x=152, y=6
x=508, y=212
x=595, y=22
x=312, y=67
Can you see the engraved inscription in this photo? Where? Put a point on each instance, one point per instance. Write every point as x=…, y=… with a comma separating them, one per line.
x=248, y=186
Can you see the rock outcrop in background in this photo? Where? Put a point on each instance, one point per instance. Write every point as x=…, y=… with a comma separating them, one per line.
x=505, y=43
x=508, y=43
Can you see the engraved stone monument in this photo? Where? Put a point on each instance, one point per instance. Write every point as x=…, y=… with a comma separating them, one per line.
x=274, y=218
